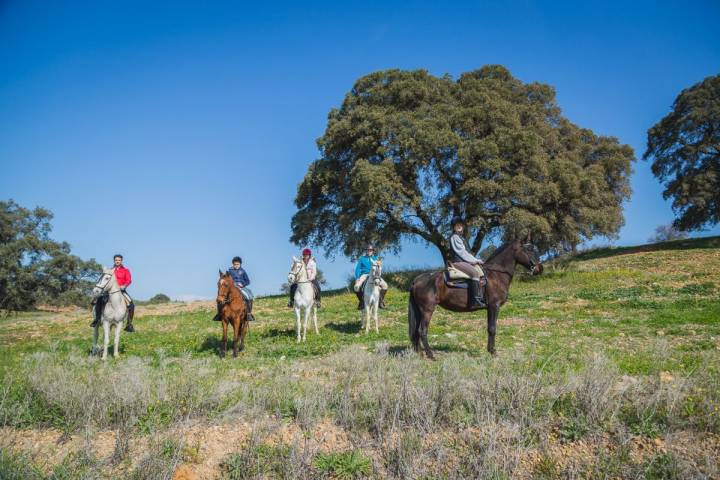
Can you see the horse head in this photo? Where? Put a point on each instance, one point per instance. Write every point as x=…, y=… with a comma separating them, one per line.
x=224, y=286
x=295, y=270
x=526, y=254
x=104, y=282
x=376, y=271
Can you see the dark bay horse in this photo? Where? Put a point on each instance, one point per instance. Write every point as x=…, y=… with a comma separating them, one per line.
x=429, y=290
x=233, y=311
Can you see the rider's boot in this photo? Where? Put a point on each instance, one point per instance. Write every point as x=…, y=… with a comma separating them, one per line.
x=131, y=313
x=476, y=300
x=361, y=300
x=381, y=304
x=250, y=316
x=291, y=300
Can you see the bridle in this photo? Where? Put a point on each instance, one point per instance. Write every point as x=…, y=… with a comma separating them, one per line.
x=107, y=277
x=376, y=278
x=294, y=273
x=529, y=250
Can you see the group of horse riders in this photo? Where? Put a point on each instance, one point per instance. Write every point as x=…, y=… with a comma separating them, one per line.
x=460, y=258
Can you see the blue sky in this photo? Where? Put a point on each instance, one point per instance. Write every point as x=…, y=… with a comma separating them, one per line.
x=177, y=132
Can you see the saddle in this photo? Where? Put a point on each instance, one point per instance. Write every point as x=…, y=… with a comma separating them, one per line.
x=455, y=278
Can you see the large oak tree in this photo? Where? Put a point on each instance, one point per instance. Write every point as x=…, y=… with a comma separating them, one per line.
x=407, y=151
x=685, y=148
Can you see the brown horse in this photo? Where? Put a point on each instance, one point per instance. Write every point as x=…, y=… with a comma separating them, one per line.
x=233, y=311
x=429, y=290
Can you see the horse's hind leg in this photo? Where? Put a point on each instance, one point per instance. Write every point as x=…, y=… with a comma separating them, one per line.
x=375, y=314
x=236, y=334
x=317, y=331
x=424, y=326
x=243, y=331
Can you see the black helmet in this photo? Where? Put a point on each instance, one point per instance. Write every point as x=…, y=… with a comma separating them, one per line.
x=236, y=259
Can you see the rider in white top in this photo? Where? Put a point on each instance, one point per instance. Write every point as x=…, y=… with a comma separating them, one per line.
x=311, y=268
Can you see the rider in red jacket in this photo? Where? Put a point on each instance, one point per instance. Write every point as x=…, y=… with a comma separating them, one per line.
x=124, y=279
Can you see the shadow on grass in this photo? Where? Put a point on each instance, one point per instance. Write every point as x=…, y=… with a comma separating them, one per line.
x=277, y=332
x=350, y=328
x=211, y=344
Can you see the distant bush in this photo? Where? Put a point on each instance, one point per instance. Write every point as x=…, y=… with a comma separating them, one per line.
x=159, y=298
x=402, y=279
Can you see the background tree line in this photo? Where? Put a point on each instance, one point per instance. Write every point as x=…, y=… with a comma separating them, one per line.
x=34, y=269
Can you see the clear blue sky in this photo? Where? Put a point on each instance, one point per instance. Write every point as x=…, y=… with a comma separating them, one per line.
x=177, y=132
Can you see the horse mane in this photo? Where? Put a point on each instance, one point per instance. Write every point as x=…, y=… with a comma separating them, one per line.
x=499, y=250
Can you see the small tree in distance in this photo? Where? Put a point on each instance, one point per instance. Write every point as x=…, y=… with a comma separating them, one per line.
x=666, y=233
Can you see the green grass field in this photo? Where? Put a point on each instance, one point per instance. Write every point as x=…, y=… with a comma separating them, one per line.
x=607, y=367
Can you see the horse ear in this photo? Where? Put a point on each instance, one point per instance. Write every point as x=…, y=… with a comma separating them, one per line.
x=220, y=272
x=294, y=258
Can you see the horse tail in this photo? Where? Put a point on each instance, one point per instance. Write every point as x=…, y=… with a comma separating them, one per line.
x=413, y=320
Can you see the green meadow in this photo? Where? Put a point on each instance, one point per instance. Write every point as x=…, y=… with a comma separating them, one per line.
x=608, y=366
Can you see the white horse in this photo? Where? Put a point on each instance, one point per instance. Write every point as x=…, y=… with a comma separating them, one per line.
x=113, y=313
x=372, y=297
x=304, y=297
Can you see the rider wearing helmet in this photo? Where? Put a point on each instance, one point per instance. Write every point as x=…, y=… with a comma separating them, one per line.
x=362, y=270
x=311, y=268
x=463, y=260
x=124, y=279
x=241, y=280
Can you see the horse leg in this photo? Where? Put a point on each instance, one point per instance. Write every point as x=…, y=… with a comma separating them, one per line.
x=223, y=342
x=317, y=332
x=96, y=333
x=116, y=347
x=106, y=339
x=375, y=313
x=243, y=331
x=492, y=315
x=236, y=334
x=425, y=316
x=298, y=326
x=308, y=311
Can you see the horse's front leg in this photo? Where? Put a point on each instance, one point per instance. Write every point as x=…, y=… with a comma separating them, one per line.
x=308, y=312
x=116, y=347
x=223, y=342
x=106, y=338
x=96, y=334
x=492, y=316
x=298, y=326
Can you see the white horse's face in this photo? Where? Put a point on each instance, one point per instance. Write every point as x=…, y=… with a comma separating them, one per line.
x=376, y=271
x=103, y=284
x=295, y=270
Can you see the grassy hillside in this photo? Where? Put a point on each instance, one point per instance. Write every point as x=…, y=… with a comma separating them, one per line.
x=608, y=366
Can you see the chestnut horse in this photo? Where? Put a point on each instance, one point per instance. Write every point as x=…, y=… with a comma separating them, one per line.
x=233, y=311
x=429, y=290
